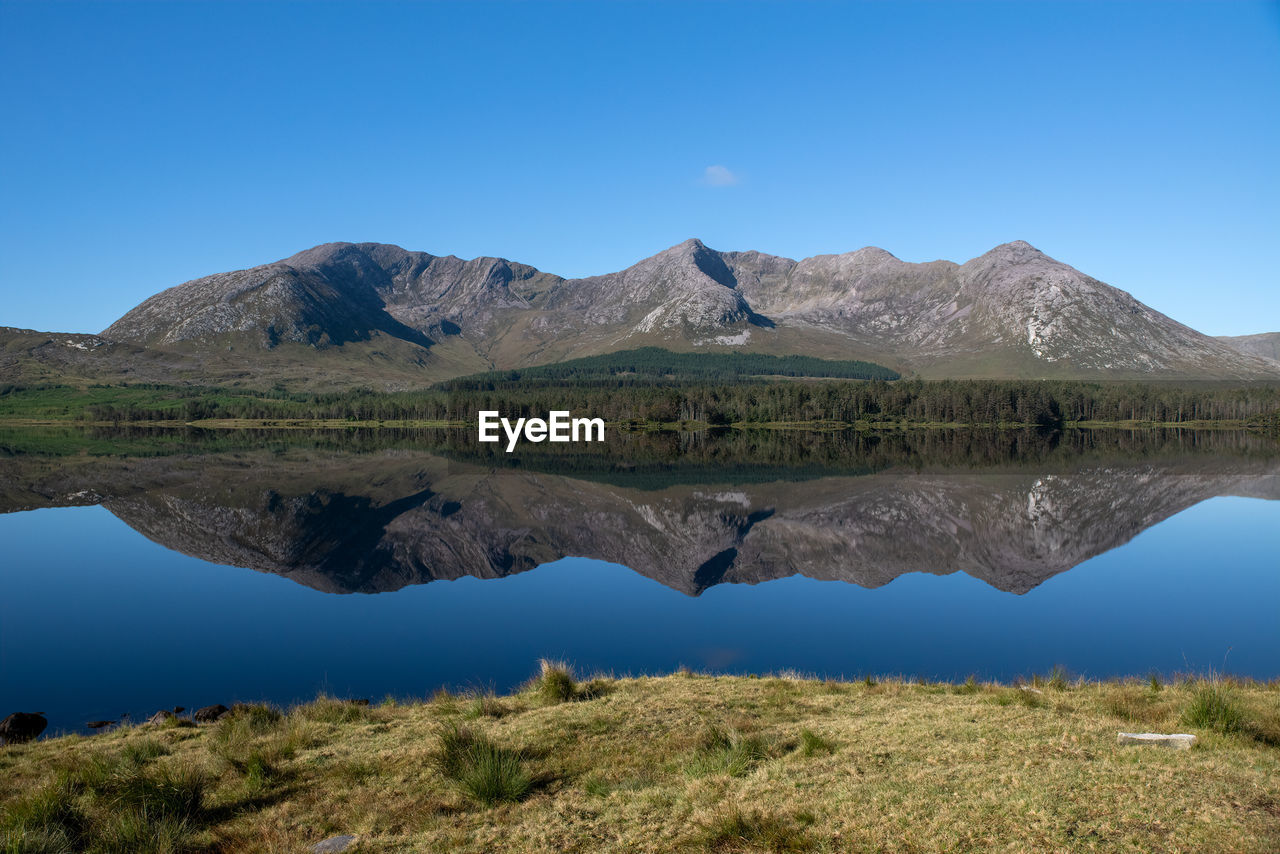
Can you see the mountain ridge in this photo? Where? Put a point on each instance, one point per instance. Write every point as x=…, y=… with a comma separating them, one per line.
x=1012, y=312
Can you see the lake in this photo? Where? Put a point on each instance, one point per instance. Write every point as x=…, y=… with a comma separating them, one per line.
x=148, y=569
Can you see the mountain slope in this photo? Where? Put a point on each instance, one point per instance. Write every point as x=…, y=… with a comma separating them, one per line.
x=1012, y=312
x=1265, y=344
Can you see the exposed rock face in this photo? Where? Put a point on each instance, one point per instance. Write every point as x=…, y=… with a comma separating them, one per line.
x=1011, y=312
x=325, y=296
x=686, y=287
x=1013, y=303
x=419, y=518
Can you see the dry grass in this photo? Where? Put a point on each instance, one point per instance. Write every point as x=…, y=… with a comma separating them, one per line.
x=686, y=763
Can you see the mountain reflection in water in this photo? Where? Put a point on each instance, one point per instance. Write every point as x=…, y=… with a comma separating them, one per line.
x=688, y=510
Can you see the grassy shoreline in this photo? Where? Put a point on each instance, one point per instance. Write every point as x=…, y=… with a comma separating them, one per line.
x=817, y=425
x=683, y=762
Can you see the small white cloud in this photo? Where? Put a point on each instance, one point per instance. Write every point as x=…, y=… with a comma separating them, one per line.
x=719, y=176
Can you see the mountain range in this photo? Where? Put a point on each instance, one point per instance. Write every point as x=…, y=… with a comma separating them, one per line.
x=345, y=314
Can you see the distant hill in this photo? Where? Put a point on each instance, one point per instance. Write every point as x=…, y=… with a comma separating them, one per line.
x=347, y=314
x=1266, y=344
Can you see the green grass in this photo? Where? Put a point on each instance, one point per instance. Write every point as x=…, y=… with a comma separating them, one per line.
x=752, y=831
x=109, y=804
x=1213, y=707
x=485, y=705
x=164, y=792
x=46, y=820
x=555, y=682
x=255, y=740
x=487, y=773
x=811, y=744
x=331, y=710
x=728, y=751
x=140, y=752
x=686, y=762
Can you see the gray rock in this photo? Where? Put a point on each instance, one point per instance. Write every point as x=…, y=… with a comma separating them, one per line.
x=1176, y=741
x=333, y=843
x=161, y=717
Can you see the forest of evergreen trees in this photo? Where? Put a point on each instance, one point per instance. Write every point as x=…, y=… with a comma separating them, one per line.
x=990, y=402
x=648, y=364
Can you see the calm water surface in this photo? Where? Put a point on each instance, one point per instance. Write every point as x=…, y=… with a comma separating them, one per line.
x=398, y=572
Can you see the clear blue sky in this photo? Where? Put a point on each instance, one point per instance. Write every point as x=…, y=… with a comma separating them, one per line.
x=147, y=144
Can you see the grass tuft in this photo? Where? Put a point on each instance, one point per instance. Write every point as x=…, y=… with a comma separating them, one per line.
x=753, y=831
x=162, y=793
x=486, y=705
x=811, y=744
x=140, y=832
x=256, y=740
x=729, y=752
x=1265, y=727
x=1133, y=704
x=255, y=717
x=140, y=752
x=109, y=804
x=330, y=710
x=1027, y=696
x=483, y=771
x=554, y=682
x=594, y=689
x=259, y=772
x=1213, y=707
x=47, y=820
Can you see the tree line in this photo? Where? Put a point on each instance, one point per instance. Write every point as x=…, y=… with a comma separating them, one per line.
x=648, y=364
x=990, y=402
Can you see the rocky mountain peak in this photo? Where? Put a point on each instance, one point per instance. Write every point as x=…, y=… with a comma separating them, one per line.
x=1011, y=312
x=1014, y=253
